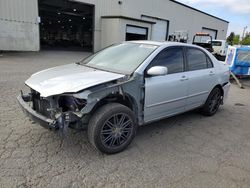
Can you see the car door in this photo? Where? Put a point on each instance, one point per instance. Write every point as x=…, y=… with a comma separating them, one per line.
x=201, y=77
x=166, y=95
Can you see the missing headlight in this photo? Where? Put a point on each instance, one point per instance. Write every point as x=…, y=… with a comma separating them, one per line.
x=69, y=103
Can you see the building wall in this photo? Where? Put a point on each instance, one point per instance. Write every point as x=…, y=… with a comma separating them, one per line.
x=180, y=17
x=102, y=8
x=110, y=26
x=114, y=30
x=19, y=30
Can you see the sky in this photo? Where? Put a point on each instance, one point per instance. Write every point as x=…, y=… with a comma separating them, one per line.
x=237, y=12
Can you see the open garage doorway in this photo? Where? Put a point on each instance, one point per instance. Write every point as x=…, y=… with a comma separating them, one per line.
x=136, y=33
x=66, y=25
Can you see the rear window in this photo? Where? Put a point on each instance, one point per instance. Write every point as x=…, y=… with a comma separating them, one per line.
x=202, y=39
x=216, y=43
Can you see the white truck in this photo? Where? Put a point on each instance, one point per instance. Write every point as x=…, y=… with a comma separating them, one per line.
x=220, y=49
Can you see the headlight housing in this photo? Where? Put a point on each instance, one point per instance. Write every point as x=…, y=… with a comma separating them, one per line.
x=70, y=103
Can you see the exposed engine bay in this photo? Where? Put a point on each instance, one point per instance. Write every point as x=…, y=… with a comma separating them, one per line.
x=62, y=108
x=74, y=109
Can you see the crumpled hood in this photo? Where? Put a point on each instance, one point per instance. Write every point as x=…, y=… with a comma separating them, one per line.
x=68, y=78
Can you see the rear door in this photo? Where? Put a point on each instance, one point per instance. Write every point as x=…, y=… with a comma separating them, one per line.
x=202, y=77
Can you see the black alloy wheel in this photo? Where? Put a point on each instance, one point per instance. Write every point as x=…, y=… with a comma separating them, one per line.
x=213, y=102
x=112, y=128
x=116, y=130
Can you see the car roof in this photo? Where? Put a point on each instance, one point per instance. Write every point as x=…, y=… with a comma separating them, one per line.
x=163, y=43
x=219, y=40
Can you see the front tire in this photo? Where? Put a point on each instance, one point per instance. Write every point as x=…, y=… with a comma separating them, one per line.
x=112, y=128
x=213, y=102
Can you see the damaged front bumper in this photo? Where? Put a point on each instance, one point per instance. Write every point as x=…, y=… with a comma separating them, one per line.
x=36, y=117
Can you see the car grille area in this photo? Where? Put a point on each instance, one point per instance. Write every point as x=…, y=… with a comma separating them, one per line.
x=40, y=105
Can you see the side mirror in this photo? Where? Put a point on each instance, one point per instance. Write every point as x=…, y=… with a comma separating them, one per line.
x=157, y=71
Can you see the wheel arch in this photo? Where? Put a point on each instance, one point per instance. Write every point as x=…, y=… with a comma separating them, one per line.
x=220, y=87
x=125, y=99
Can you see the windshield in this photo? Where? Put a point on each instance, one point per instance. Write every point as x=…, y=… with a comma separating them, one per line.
x=216, y=43
x=202, y=39
x=122, y=58
x=243, y=56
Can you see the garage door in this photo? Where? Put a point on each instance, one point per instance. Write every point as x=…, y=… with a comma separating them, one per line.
x=136, y=30
x=159, y=30
x=136, y=33
x=212, y=32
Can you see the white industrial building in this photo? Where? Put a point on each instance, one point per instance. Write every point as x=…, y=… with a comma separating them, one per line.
x=29, y=25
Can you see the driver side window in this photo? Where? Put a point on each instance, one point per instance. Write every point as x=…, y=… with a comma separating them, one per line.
x=172, y=58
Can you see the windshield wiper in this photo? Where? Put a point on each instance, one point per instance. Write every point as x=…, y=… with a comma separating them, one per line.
x=82, y=64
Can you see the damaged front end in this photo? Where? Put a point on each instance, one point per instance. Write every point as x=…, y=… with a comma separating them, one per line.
x=74, y=110
x=53, y=112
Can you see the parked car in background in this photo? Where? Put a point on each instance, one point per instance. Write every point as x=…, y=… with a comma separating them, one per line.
x=126, y=85
x=220, y=49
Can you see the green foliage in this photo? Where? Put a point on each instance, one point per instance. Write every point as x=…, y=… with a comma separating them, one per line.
x=236, y=39
x=246, y=40
x=233, y=39
x=230, y=38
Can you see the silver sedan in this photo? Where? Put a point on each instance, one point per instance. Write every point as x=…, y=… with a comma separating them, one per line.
x=126, y=85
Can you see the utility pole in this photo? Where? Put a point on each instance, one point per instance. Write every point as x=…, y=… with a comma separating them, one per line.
x=244, y=30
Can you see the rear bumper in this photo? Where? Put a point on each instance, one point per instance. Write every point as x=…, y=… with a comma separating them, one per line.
x=36, y=117
x=226, y=90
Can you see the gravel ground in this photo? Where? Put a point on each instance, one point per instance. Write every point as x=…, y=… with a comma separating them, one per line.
x=185, y=151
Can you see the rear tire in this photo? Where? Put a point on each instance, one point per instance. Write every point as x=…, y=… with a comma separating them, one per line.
x=112, y=128
x=213, y=102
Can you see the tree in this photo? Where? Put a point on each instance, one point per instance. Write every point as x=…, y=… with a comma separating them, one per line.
x=246, y=40
x=236, y=39
x=247, y=34
x=230, y=38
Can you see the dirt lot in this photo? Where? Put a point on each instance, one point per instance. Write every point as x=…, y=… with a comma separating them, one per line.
x=185, y=151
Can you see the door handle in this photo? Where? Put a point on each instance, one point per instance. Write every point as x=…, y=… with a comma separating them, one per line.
x=183, y=78
x=211, y=73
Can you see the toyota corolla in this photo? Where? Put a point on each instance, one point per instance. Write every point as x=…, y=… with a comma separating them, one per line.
x=126, y=85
